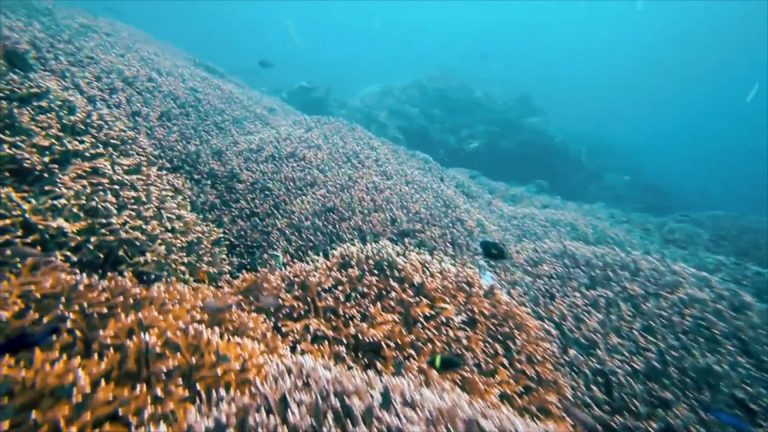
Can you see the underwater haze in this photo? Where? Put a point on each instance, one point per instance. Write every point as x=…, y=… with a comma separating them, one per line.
x=666, y=82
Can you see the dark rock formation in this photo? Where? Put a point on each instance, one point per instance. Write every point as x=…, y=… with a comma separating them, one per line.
x=504, y=139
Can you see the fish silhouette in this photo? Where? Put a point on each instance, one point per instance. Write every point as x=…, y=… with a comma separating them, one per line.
x=266, y=64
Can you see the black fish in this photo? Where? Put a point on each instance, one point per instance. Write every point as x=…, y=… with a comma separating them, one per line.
x=266, y=64
x=28, y=339
x=446, y=362
x=493, y=250
x=386, y=399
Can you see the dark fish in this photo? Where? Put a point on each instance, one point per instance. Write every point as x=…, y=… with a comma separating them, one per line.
x=29, y=339
x=219, y=425
x=16, y=56
x=729, y=419
x=283, y=407
x=607, y=382
x=349, y=412
x=446, y=362
x=386, y=399
x=370, y=348
x=211, y=69
x=493, y=250
x=407, y=232
x=318, y=413
x=266, y=64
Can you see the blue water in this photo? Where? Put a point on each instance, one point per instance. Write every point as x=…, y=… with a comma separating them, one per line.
x=666, y=82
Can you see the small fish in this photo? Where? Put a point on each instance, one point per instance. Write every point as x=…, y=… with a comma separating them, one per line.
x=278, y=259
x=729, y=419
x=28, y=339
x=446, y=362
x=493, y=250
x=386, y=399
x=368, y=416
x=283, y=407
x=290, y=26
x=266, y=64
x=487, y=278
x=472, y=145
x=370, y=348
x=752, y=92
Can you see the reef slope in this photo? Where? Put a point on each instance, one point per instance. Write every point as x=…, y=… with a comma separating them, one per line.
x=145, y=203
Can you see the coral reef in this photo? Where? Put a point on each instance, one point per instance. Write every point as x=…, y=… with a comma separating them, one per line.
x=134, y=357
x=505, y=139
x=670, y=338
x=76, y=182
x=309, y=394
x=126, y=356
x=388, y=310
x=168, y=238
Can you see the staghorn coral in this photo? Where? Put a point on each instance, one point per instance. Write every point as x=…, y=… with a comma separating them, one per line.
x=75, y=183
x=126, y=356
x=389, y=310
x=305, y=393
x=649, y=340
x=268, y=178
x=130, y=357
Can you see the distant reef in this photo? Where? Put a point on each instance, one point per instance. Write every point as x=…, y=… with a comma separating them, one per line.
x=505, y=138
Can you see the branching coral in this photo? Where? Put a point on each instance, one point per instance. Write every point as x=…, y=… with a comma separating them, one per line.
x=389, y=310
x=305, y=393
x=175, y=355
x=126, y=356
x=76, y=184
x=118, y=156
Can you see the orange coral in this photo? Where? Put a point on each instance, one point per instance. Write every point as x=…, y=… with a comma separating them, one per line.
x=390, y=310
x=128, y=355
x=88, y=195
x=134, y=357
